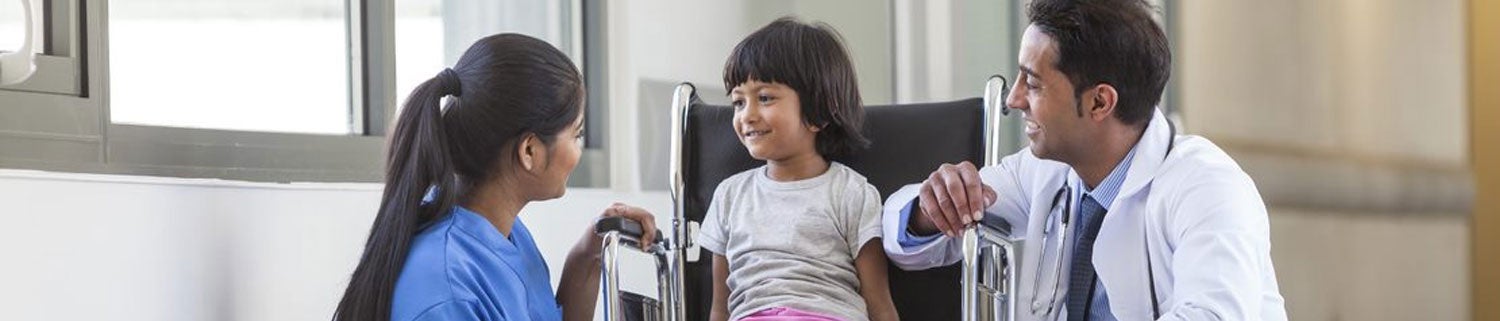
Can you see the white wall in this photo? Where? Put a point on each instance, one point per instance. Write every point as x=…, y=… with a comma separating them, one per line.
x=100, y=247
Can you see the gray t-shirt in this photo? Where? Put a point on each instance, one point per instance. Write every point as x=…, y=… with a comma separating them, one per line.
x=793, y=244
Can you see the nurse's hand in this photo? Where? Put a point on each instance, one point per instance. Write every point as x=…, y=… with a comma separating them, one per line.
x=640, y=215
x=951, y=198
x=578, y=292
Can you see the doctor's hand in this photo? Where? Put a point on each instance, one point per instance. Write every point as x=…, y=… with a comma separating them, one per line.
x=951, y=199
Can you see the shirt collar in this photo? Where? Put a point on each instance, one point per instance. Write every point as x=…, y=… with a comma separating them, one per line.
x=1107, y=190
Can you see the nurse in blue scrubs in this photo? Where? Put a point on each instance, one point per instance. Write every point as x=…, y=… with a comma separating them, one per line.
x=446, y=243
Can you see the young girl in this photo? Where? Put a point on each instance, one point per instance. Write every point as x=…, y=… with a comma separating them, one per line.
x=796, y=239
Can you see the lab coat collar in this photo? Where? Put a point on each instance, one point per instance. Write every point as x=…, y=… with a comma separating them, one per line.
x=1119, y=255
x=1151, y=152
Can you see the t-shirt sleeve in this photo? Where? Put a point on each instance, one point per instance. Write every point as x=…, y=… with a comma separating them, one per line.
x=866, y=210
x=714, y=232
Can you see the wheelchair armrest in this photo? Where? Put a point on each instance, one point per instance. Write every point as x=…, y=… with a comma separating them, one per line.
x=626, y=227
x=997, y=223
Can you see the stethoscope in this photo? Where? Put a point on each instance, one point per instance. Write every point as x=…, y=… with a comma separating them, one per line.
x=1064, y=197
x=1064, y=193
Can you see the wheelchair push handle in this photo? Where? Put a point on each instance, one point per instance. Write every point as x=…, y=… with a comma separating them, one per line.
x=626, y=227
x=996, y=223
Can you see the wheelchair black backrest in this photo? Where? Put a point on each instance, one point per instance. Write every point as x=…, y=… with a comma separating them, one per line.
x=908, y=142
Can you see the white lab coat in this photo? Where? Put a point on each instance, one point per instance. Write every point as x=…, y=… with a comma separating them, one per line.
x=1204, y=221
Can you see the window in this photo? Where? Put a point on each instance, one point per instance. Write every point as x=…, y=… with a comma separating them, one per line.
x=276, y=90
x=271, y=65
x=55, y=41
x=12, y=28
x=433, y=34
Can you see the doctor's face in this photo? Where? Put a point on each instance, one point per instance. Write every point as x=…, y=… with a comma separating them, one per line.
x=1046, y=99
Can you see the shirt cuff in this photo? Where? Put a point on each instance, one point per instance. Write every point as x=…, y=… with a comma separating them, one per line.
x=906, y=238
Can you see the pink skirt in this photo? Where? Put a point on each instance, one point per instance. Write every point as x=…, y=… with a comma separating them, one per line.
x=787, y=314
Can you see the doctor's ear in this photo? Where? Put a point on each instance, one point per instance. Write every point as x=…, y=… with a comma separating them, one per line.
x=1100, y=101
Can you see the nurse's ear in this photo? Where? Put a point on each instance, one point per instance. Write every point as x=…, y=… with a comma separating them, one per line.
x=529, y=151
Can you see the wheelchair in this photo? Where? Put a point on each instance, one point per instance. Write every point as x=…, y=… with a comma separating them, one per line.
x=908, y=141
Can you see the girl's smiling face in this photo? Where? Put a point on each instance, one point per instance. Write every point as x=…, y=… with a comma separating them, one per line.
x=768, y=121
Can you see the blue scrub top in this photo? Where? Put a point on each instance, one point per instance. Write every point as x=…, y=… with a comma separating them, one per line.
x=462, y=268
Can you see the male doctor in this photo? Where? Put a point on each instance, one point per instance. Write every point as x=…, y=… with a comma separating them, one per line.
x=1123, y=218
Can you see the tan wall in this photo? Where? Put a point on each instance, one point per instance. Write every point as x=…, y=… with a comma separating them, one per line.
x=1382, y=79
x=1357, y=266
x=1484, y=59
x=1352, y=117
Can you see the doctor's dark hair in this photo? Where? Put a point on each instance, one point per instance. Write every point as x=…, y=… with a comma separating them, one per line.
x=1115, y=42
x=811, y=59
x=503, y=88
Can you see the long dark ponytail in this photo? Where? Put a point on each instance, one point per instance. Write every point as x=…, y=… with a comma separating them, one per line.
x=504, y=86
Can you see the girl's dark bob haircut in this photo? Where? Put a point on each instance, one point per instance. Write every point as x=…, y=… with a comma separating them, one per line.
x=811, y=59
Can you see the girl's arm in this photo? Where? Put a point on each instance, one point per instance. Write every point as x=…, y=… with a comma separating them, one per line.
x=578, y=291
x=720, y=309
x=874, y=285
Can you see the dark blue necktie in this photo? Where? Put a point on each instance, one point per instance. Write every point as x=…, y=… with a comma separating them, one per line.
x=1081, y=277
